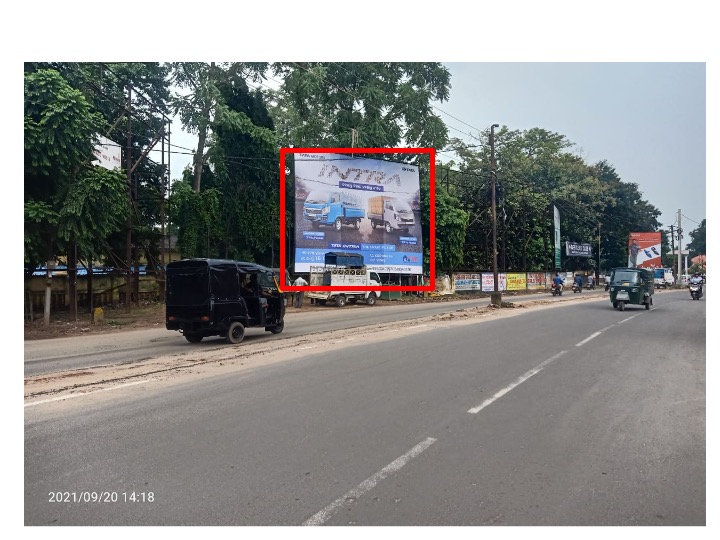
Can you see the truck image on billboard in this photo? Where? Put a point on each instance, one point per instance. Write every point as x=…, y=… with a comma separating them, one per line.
x=357, y=205
x=644, y=250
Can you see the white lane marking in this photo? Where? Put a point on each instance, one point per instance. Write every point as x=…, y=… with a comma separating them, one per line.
x=584, y=341
x=71, y=396
x=303, y=348
x=517, y=382
x=607, y=328
x=326, y=513
x=625, y=320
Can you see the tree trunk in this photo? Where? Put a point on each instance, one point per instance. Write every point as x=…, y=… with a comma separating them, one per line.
x=72, y=280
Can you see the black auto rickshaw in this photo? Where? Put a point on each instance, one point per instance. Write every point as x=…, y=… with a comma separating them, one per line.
x=631, y=286
x=216, y=297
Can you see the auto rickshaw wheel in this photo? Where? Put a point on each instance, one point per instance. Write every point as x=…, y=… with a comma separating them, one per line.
x=235, y=333
x=622, y=306
x=277, y=328
x=614, y=305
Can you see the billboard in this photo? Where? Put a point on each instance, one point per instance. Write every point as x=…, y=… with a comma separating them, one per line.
x=357, y=205
x=644, y=250
x=573, y=249
x=107, y=154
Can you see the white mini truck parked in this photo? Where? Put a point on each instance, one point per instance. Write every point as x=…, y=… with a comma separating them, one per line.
x=335, y=275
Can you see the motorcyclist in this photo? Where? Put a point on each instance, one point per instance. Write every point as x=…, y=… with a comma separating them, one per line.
x=579, y=281
x=697, y=279
x=591, y=282
x=558, y=281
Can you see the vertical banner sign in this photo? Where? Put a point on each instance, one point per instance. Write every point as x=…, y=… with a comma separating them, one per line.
x=357, y=205
x=556, y=215
x=644, y=250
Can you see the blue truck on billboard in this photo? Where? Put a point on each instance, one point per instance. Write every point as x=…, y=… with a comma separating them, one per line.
x=367, y=206
x=334, y=208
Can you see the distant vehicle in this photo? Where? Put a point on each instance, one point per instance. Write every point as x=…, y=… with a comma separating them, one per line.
x=664, y=278
x=343, y=270
x=684, y=279
x=336, y=208
x=391, y=213
x=217, y=297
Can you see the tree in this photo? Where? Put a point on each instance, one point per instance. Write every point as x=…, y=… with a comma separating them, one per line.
x=385, y=104
x=201, y=104
x=697, y=243
x=68, y=202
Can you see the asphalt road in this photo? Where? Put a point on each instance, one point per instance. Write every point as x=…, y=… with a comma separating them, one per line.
x=574, y=415
x=62, y=354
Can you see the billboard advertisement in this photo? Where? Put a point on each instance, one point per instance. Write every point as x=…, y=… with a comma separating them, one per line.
x=107, y=154
x=644, y=250
x=357, y=205
x=467, y=282
x=573, y=249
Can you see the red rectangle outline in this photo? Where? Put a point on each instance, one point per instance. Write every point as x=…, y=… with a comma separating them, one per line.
x=283, y=259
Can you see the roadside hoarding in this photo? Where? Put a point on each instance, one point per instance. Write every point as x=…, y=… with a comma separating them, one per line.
x=107, y=154
x=467, y=282
x=357, y=205
x=488, y=282
x=574, y=249
x=644, y=250
x=516, y=282
x=537, y=280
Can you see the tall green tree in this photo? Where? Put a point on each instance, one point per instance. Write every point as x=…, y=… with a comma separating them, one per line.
x=200, y=103
x=697, y=244
x=365, y=104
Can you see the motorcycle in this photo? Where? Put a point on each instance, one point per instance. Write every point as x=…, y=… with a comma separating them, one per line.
x=556, y=289
x=576, y=288
x=696, y=291
x=590, y=285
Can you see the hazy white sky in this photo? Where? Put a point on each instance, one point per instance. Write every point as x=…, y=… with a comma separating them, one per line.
x=646, y=119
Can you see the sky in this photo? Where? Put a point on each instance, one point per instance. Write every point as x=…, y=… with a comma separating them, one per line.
x=646, y=119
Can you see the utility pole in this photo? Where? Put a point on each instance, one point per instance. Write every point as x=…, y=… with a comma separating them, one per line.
x=597, y=277
x=672, y=240
x=496, y=296
x=679, y=231
x=128, y=224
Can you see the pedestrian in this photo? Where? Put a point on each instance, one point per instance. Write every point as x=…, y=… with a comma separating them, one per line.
x=288, y=295
x=299, y=295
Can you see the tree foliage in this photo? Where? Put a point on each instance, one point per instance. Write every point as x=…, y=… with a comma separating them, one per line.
x=697, y=243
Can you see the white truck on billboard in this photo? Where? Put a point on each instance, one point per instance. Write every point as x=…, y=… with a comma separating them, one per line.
x=391, y=213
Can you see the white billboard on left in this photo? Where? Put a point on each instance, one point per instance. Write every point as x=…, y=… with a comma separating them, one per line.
x=108, y=154
x=357, y=205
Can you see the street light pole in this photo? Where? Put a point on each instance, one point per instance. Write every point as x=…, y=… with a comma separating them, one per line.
x=496, y=296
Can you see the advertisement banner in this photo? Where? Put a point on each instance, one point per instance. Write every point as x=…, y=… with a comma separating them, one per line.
x=357, y=205
x=516, y=282
x=488, y=282
x=108, y=154
x=467, y=282
x=536, y=280
x=573, y=249
x=556, y=218
x=644, y=250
